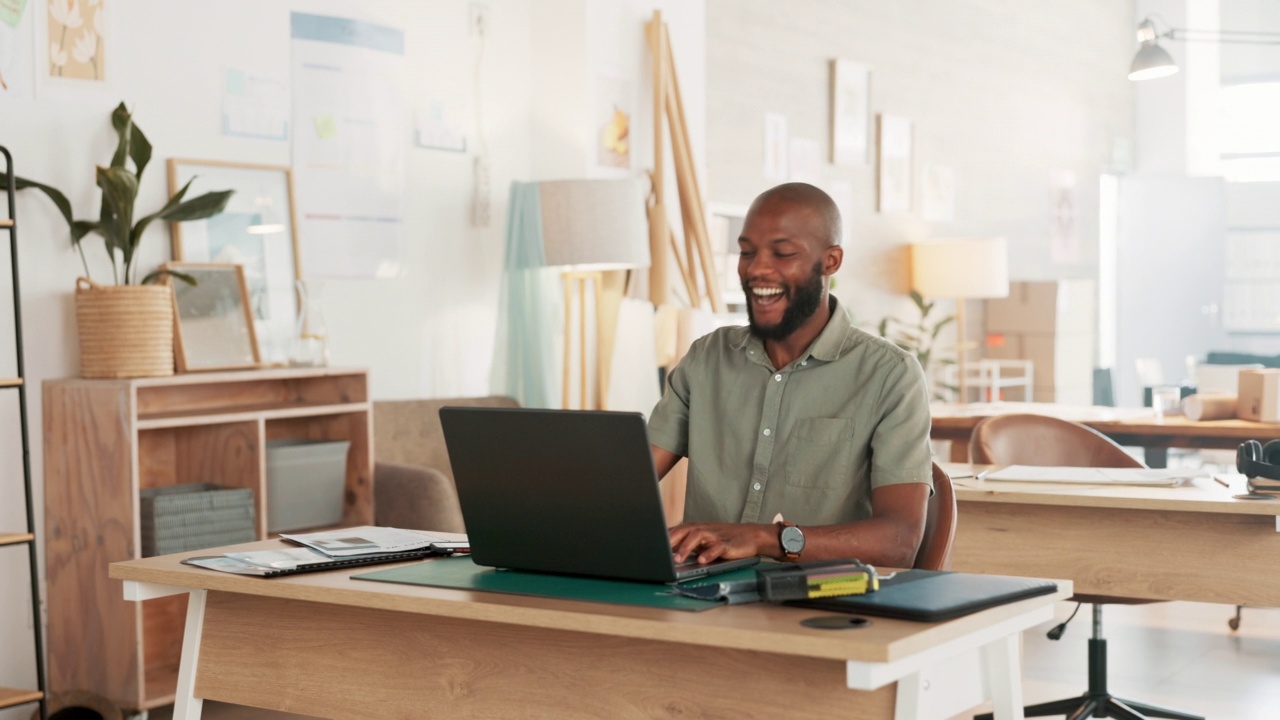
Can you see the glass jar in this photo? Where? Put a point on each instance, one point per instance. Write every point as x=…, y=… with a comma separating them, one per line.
x=311, y=341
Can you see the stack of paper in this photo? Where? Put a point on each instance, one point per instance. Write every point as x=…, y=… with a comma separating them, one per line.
x=1091, y=475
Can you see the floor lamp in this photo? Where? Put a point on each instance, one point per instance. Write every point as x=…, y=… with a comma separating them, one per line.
x=590, y=227
x=961, y=269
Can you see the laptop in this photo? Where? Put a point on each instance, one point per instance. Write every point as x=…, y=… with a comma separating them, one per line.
x=563, y=491
x=935, y=595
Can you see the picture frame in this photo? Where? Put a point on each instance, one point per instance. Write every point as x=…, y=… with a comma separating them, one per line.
x=894, y=171
x=850, y=85
x=213, y=321
x=258, y=230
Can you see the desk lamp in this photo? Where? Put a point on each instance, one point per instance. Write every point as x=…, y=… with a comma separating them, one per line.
x=961, y=269
x=1153, y=61
x=589, y=227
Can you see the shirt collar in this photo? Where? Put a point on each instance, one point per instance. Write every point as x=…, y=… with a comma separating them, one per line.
x=829, y=345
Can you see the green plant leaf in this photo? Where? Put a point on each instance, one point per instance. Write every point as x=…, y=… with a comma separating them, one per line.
x=134, y=143
x=199, y=208
x=119, y=192
x=918, y=299
x=122, y=121
x=884, y=327
x=135, y=235
x=941, y=324
x=80, y=228
x=60, y=200
x=156, y=275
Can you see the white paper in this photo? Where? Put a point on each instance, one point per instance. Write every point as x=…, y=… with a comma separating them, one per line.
x=350, y=136
x=775, y=147
x=254, y=105
x=1092, y=476
x=370, y=540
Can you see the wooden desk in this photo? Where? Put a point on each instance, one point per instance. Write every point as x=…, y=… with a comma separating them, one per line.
x=1193, y=542
x=1127, y=426
x=322, y=644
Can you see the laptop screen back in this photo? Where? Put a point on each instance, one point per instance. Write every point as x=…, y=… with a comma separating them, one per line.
x=559, y=491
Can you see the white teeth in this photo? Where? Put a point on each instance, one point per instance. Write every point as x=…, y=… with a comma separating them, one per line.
x=766, y=292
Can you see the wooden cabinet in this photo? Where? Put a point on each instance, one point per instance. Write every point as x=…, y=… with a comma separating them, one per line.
x=105, y=440
x=13, y=391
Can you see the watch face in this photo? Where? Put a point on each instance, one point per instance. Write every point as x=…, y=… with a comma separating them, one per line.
x=792, y=539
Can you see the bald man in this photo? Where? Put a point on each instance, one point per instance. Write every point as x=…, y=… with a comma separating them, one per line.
x=807, y=438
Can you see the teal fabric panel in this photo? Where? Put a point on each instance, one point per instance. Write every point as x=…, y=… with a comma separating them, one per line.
x=529, y=309
x=460, y=573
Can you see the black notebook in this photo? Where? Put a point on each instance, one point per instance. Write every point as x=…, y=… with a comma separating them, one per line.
x=932, y=595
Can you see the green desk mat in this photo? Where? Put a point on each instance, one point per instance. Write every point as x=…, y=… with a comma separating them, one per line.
x=460, y=573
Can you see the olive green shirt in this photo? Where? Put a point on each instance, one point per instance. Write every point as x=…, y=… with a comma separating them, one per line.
x=809, y=441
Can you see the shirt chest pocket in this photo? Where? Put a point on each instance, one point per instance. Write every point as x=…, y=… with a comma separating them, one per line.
x=820, y=453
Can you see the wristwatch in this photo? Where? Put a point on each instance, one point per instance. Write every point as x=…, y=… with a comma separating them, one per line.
x=791, y=538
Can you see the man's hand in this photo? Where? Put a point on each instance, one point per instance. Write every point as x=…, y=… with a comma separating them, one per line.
x=727, y=541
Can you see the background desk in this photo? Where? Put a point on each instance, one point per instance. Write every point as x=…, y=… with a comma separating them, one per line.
x=1128, y=426
x=1193, y=542
x=322, y=644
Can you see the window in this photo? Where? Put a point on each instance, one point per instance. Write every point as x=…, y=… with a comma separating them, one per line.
x=1250, y=139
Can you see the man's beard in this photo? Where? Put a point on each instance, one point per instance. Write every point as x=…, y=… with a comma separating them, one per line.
x=802, y=303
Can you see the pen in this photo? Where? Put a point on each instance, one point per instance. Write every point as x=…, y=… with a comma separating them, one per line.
x=1218, y=479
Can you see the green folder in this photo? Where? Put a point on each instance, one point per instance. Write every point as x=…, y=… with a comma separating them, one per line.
x=460, y=573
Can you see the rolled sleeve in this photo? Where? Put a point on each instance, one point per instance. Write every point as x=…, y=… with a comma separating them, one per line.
x=669, y=421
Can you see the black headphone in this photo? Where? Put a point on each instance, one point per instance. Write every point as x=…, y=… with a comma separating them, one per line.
x=1253, y=459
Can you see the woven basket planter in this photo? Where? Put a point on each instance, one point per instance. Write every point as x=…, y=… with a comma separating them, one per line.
x=126, y=331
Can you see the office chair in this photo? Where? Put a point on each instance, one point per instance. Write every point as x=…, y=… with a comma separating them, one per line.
x=939, y=525
x=1040, y=440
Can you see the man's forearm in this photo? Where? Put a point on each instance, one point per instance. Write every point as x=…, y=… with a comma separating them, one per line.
x=878, y=541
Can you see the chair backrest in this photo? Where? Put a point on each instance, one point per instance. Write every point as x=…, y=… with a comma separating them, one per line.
x=1025, y=439
x=408, y=431
x=939, y=525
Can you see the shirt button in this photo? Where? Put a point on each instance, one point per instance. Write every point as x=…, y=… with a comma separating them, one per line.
x=804, y=362
x=767, y=432
x=778, y=377
x=756, y=486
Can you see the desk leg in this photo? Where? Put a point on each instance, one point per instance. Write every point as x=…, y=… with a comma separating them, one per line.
x=186, y=705
x=1002, y=673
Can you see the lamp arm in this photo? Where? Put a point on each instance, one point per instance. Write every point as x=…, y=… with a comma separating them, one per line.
x=1239, y=37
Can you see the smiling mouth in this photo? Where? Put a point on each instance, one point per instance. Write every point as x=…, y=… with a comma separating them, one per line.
x=767, y=296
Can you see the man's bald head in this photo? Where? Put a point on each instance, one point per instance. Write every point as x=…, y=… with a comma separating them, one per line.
x=807, y=197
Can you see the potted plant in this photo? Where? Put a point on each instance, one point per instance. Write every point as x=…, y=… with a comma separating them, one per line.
x=126, y=328
x=919, y=339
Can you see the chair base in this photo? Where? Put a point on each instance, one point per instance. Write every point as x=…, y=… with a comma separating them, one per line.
x=1098, y=702
x=1100, y=706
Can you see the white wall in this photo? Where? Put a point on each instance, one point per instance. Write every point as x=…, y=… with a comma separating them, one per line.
x=427, y=333
x=1005, y=94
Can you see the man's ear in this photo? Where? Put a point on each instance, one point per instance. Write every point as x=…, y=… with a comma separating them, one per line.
x=832, y=258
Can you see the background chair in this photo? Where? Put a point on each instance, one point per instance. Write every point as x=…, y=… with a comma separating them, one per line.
x=412, y=479
x=1046, y=441
x=939, y=525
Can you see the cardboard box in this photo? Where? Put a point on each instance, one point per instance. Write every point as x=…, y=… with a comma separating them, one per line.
x=1067, y=307
x=1259, y=397
x=1057, y=361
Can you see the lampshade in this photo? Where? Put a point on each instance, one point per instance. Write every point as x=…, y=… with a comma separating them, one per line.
x=961, y=268
x=594, y=224
x=1152, y=61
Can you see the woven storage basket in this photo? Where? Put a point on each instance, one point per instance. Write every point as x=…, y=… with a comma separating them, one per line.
x=126, y=331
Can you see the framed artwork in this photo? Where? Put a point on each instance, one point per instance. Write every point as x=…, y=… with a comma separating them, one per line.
x=850, y=113
x=213, y=323
x=895, y=165
x=257, y=230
